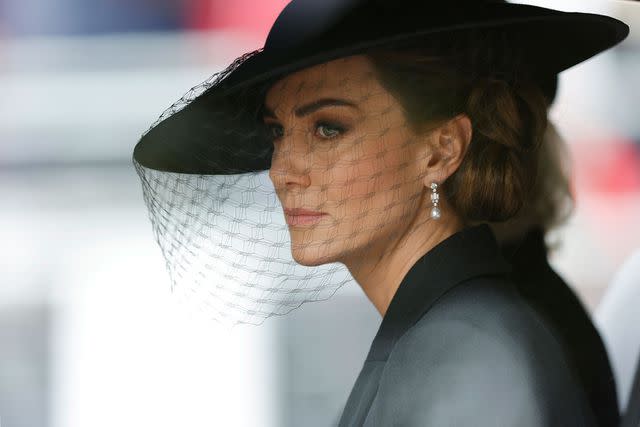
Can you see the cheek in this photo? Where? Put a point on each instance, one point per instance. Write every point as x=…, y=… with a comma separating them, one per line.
x=375, y=188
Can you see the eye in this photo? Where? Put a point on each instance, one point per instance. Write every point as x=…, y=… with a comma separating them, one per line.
x=274, y=131
x=329, y=130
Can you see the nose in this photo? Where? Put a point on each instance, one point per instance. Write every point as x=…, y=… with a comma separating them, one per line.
x=291, y=160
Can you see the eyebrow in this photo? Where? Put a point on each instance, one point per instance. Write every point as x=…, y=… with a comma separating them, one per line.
x=309, y=108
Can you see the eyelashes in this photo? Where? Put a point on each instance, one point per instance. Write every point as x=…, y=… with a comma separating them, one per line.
x=323, y=129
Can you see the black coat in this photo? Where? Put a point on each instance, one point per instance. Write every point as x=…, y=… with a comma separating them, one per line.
x=545, y=290
x=459, y=346
x=632, y=416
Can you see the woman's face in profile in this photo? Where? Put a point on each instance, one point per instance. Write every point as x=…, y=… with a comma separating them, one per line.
x=342, y=146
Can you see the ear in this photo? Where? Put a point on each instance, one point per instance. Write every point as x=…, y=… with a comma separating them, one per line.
x=450, y=143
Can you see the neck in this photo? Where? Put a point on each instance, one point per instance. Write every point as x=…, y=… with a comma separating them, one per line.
x=380, y=271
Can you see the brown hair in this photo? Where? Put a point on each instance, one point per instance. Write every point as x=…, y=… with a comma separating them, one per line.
x=482, y=75
x=551, y=201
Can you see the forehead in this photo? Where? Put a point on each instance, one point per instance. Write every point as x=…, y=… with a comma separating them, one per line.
x=353, y=76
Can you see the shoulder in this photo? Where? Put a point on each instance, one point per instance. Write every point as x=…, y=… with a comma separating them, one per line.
x=481, y=356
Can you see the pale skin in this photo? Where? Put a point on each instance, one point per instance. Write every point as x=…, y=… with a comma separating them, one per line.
x=356, y=159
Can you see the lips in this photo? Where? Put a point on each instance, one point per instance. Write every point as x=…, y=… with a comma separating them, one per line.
x=299, y=216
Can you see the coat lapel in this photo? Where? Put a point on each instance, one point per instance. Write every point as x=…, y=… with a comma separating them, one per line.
x=468, y=253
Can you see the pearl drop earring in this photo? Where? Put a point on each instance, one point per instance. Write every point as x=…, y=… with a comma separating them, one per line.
x=435, y=210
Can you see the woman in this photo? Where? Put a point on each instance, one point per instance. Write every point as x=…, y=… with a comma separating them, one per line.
x=386, y=128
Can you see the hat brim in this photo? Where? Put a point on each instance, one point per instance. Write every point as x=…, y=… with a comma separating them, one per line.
x=196, y=139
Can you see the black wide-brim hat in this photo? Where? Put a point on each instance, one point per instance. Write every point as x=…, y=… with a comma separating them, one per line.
x=190, y=137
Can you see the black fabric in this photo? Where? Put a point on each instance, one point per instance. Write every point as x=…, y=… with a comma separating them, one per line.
x=545, y=290
x=459, y=346
x=631, y=417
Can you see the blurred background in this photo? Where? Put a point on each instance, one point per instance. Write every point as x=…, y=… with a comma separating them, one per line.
x=90, y=334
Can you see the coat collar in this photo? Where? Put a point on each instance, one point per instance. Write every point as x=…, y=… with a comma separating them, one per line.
x=528, y=253
x=472, y=251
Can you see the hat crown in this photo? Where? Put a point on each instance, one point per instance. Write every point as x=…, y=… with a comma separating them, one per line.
x=302, y=20
x=340, y=22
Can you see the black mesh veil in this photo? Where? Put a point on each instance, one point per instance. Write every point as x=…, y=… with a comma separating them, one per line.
x=233, y=256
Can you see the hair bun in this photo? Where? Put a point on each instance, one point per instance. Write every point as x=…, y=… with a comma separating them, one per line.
x=498, y=171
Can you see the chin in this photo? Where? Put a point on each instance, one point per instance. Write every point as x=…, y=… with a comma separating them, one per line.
x=309, y=257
